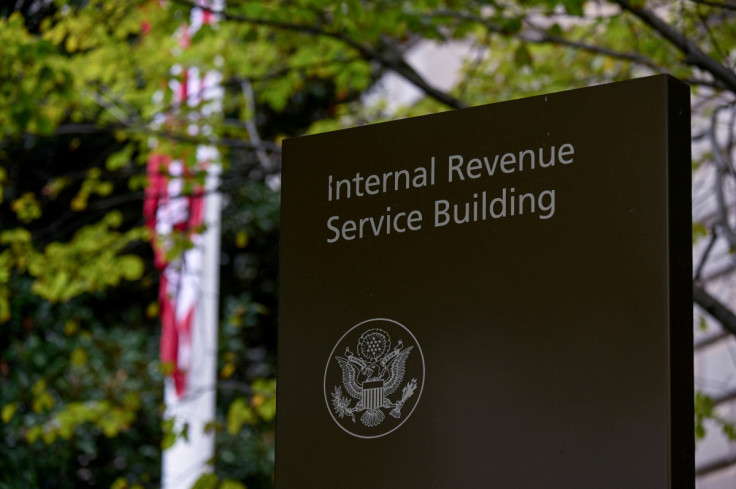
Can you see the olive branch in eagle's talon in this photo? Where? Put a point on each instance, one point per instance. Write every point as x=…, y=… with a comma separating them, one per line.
x=341, y=404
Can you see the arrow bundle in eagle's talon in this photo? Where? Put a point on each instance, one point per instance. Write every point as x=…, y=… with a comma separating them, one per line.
x=406, y=393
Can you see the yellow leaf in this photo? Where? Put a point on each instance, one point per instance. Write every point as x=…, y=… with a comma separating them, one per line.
x=257, y=400
x=39, y=387
x=71, y=327
x=241, y=239
x=120, y=483
x=104, y=188
x=71, y=44
x=79, y=357
x=4, y=309
x=152, y=310
x=42, y=402
x=232, y=484
x=227, y=370
x=114, y=218
x=49, y=437
x=33, y=433
x=9, y=411
x=78, y=203
x=3, y=179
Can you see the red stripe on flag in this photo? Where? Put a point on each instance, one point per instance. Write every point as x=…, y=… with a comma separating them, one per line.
x=167, y=211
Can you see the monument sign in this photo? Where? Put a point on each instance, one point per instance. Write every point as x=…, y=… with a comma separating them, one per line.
x=497, y=296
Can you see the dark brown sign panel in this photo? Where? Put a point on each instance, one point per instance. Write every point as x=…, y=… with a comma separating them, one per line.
x=491, y=297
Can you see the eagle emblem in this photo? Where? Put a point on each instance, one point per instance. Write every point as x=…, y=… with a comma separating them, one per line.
x=372, y=372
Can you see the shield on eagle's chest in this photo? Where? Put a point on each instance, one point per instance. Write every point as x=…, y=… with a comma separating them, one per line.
x=372, y=394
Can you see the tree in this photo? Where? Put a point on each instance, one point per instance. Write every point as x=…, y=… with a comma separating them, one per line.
x=83, y=86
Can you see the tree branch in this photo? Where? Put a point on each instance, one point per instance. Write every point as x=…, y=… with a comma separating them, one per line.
x=250, y=124
x=266, y=146
x=542, y=36
x=712, y=38
x=235, y=385
x=724, y=169
x=723, y=5
x=693, y=54
x=706, y=254
x=715, y=308
x=545, y=37
x=389, y=59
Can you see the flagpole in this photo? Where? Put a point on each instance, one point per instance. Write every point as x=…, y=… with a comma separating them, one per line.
x=190, y=395
x=185, y=461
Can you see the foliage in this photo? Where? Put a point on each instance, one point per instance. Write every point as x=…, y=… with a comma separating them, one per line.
x=705, y=410
x=74, y=382
x=85, y=98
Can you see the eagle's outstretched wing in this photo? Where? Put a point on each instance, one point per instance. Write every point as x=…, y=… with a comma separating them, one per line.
x=398, y=367
x=348, y=378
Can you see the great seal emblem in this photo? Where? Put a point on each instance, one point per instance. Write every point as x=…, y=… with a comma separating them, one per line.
x=374, y=378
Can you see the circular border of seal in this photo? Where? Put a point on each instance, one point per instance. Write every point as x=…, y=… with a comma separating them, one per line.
x=332, y=353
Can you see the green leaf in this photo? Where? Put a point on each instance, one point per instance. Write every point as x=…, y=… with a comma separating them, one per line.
x=699, y=231
x=232, y=484
x=168, y=434
x=522, y=56
x=239, y=414
x=131, y=266
x=120, y=159
x=79, y=357
x=34, y=433
x=27, y=207
x=206, y=481
x=574, y=7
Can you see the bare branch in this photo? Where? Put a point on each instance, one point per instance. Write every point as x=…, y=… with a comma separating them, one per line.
x=266, y=146
x=715, y=308
x=78, y=128
x=235, y=385
x=393, y=60
x=724, y=169
x=712, y=38
x=114, y=107
x=706, y=254
x=251, y=125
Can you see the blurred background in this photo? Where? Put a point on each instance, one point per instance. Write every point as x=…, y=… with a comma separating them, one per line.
x=99, y=97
